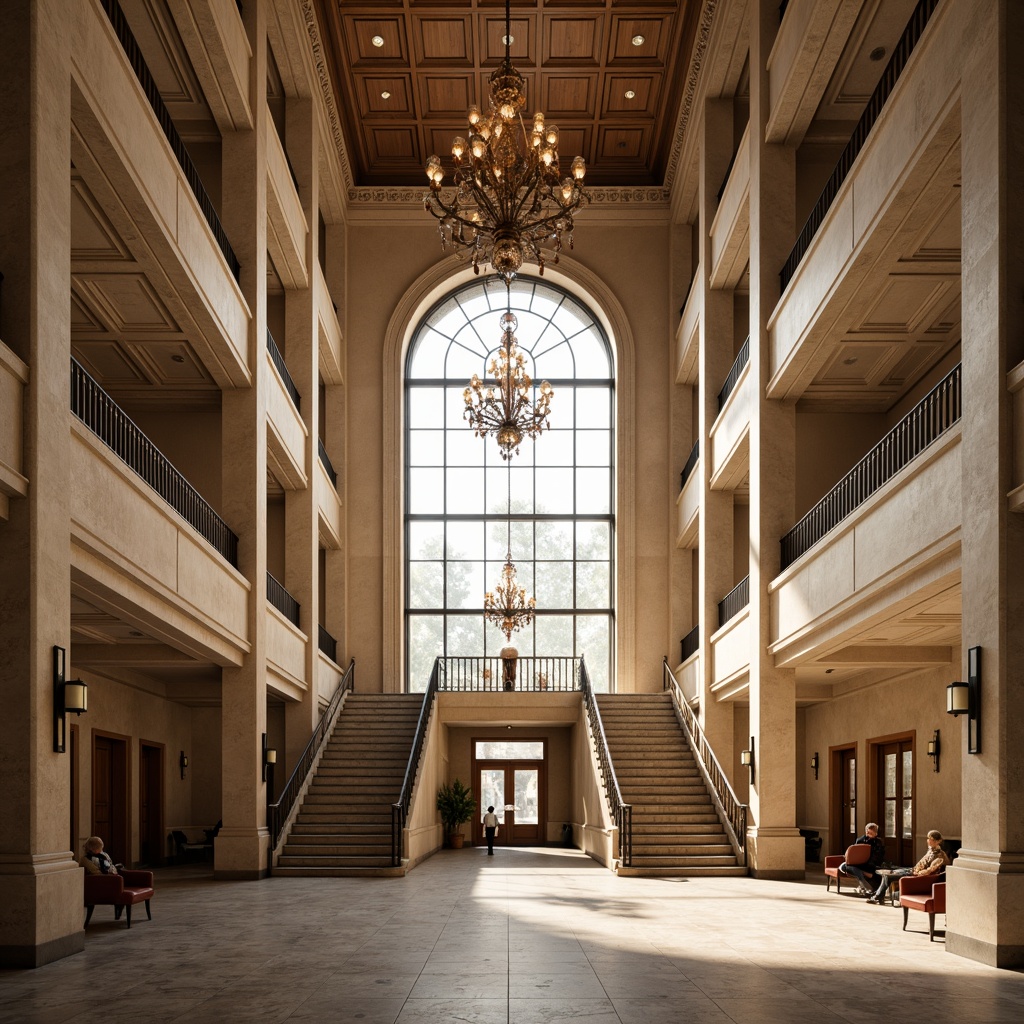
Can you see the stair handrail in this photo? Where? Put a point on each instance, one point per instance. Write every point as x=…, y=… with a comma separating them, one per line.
x=400, y=808
x=730, y=810
x=622, y=813
x=278, y=812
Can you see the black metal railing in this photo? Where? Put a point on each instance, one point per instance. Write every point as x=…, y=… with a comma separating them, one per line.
x=691, y=461
x=741, y=360
x=559, y=675
x=689, y=644
x=939, y=410
x=326, y=463
x=282, y=600
x=101, y=414
x=142, y=73
x=622, y=813
x=326, y=643
x=400, y=808
x=893, y=70
x=278, y=360
x=278, y=813
x=732, y=813
x=734, y=602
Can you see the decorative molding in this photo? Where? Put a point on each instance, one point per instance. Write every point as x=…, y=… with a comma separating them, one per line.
x=412, y=196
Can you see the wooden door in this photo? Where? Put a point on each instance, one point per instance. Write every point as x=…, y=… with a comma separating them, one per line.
x=151, y=823
x=515, y=790
x=843, y=812
x=894, y=772
x=110, y=795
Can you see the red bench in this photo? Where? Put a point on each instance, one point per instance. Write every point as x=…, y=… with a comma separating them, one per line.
x=121, y=892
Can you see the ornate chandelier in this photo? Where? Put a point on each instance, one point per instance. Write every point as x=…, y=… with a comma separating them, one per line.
x=507, y=606
x=510, y=201
x=502, y=406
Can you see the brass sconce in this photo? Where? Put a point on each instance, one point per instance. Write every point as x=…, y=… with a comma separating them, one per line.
x=747, y=759
x=965, y=699
x=934, y=749
x=814, y=765
x=183, y=762
x=69, y=697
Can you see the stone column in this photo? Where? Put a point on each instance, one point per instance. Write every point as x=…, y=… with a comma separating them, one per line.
x=775, y=846
x=985, y=895
x=715, y=546
x=40, y=882
x=241, y=847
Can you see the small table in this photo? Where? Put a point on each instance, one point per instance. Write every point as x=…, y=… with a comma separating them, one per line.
x=893, y=890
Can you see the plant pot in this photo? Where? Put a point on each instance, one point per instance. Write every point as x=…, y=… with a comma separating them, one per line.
x=455, y=840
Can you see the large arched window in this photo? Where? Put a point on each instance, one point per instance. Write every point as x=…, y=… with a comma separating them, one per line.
x=459, y=490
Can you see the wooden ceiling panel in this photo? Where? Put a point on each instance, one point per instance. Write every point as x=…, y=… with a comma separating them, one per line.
x=621, y=144
x=447, y=96
x=444, y=41
x=386, y=96
x=394, y=144
x=360, y=33
x=522, y=49
x=572, y=40
x=655, y=33
x=572, y=95
x=618, y=101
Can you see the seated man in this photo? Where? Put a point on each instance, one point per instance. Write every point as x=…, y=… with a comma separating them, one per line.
x=932, y=863
x=861, y=871
x=95, y=860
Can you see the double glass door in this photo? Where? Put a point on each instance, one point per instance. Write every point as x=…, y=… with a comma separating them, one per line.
x=516, y=790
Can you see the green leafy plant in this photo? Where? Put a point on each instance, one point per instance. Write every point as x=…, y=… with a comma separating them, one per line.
x=456, y=806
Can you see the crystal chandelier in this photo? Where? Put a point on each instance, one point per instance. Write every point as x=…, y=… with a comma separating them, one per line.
x=502, y=406
x=510, y=201
x=507, y=606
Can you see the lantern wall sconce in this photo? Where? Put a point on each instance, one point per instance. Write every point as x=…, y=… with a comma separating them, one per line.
x=747, y=759
x=934, y=749
x=965, y=699
x=269, y=757
x=183, y=762
x=69, y=697
x=814, y=765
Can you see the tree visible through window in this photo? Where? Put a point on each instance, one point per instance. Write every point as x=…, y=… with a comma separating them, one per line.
x=457, y=495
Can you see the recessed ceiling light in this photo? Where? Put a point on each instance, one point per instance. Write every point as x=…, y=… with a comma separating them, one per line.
x=507, y=40
x=377, y=41
x=177, y=359
x=385, y=95
x=849, y=360
x=638, y=40
x=877, y=53
x=630, y=94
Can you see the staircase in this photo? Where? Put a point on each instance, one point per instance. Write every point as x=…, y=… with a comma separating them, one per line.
x=344, y=823
x=676, y=829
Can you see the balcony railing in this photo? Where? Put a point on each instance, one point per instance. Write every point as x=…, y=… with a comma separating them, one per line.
x=939, y=410
x=142, y=73
x=326, y=643
x=559, y=675
x=689, y=644
x=742, y=358
x=691, y=461
x=278, y=360
x=731, y=812
x=898, y=61
x=734, y=602
x=279, y=812
x=326, y=463
x=101, y=414
x=282, y=600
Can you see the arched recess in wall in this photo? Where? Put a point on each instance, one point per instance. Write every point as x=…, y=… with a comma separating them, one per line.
x=445, y=277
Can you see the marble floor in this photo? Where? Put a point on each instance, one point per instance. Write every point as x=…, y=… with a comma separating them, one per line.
x=524, y=937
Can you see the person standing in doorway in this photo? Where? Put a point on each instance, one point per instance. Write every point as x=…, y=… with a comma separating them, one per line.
x=490, y=829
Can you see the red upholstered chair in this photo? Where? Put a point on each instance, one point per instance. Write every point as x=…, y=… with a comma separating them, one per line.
x=859, y=853
x=121, y=892
x=922, y=892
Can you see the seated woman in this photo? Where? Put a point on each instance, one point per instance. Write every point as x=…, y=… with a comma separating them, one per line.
x=932, y=863
x=95, y=860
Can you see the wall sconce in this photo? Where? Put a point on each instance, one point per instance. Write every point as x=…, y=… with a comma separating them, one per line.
x=183, y=762
x=814, y=765
x=965, y=699
x=68, y=697
x=934, y=749
x=269, y=757
x=747, y=759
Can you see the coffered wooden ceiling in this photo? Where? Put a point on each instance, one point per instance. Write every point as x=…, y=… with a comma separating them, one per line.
x=405, y=96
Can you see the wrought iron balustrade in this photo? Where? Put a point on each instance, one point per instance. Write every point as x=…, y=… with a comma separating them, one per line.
x=326, y=463
x=326, y=643
x=734, y=602
x=278, y=360
x=691, y=461
x=897, y=62
x=282, y=600
x=689, y=644
x=741, y=360
x=939, y=410
x=105, y=418
x=533, y=674
x=732, y=813
x=166, y=122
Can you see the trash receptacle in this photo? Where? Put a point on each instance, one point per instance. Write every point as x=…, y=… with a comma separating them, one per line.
x=567, y=841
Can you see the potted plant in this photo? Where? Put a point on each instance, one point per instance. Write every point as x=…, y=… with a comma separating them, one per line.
x=456, y=806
